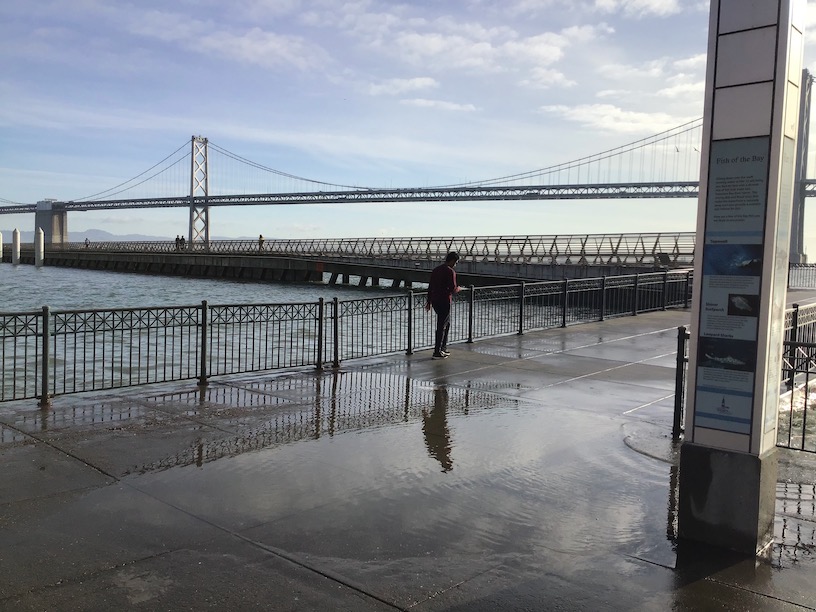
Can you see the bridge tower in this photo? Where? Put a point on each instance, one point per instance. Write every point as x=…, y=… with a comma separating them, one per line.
x=53, y=222
x=199, y=231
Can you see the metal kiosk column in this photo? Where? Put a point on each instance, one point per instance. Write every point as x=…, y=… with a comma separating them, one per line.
x=728, y=464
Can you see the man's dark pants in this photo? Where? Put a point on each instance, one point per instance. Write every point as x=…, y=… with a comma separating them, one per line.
x=442, y=310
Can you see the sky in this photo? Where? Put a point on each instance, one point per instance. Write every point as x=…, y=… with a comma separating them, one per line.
x=364, y=92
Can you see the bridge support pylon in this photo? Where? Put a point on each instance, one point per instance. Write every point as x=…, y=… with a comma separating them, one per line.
x=199, y=231
x=54, y=223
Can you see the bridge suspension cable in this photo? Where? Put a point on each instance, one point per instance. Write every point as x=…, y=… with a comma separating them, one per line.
x=136, y=182
x=664, y=145
x=279, y=173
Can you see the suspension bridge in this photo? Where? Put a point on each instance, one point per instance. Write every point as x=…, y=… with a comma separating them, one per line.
x=200, y=175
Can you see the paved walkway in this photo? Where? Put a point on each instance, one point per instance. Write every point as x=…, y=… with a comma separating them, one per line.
x=527, y=472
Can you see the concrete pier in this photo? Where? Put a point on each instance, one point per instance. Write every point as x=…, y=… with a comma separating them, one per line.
x=15, y=247
x=39, y=248
x=529, y=472
x=370, y=272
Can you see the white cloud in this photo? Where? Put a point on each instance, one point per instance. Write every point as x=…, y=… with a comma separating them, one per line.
x=250, y=46
x=544, y=49
x=264, y=49
x=440, y=104
x=395, y=87
x=622, y=72
x=444, y=52
x=608, y=118
x=692, y=90
x=543, y=78
x=640, y=8
x=690, y=64
x=612, y=93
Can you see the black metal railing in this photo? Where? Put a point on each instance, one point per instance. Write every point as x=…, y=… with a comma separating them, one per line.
x=47, y=353
x=802, y=276
x=796, y=428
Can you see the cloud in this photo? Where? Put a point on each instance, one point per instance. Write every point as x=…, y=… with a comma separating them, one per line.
x=639, y=8
x=249, y=46
x=623, y=72
x=461, y=42
x=264, y=49
x=445, y=52
x=609, y=118
x=613, y=93
x=440, y=104
x=543, y=78
x=393, y=87
x=693, y=63
x=692, y=90
x=544, y=49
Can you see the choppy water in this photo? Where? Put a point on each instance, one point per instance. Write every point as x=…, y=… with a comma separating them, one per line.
x=25, y=287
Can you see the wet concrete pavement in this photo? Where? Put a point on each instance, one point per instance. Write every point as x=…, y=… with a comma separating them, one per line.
x=529, y=472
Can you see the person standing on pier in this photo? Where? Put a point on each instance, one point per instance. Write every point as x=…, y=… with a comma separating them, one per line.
x=441, y=288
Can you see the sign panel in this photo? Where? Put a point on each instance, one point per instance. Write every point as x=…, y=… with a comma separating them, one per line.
x=731, y=283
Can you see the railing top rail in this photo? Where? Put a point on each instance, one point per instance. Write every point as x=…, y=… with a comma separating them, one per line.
x=262, y=304
x=791, y=343
x=625, y=245
x=122, y=309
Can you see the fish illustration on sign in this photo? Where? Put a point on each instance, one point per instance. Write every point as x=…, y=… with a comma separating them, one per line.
x=727, y=360
x=740, y=303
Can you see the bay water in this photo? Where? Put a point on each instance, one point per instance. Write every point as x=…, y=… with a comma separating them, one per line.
x=25, y=288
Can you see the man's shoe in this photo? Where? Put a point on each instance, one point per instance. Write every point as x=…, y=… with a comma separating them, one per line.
x=445, y=353
x=439, y=356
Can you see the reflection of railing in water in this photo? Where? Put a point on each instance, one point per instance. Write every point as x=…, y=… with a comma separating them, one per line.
x=795, y=530
x=345, y=402
x=796, y=511
x=53, y=353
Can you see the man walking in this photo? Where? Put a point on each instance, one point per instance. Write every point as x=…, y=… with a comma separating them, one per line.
x=441, y=288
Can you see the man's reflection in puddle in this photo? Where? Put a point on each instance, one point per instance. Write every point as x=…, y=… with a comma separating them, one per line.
x=435, y=429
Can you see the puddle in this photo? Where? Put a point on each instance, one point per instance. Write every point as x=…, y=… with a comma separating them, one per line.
x=11, y=436
x=287, y=410
x=59, y=418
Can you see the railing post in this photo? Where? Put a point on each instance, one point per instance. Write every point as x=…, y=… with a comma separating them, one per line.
x=471, y=304
x=665, y=288
x=202, y=376
x=794, y=337
x=336, y=321
x=635, y=295
x=680, y=382
x=564, y=297
x=45, y=400
x=521, y=308
x=603, y=297
x=686, y=292
x=410, y=344
x=320, y=310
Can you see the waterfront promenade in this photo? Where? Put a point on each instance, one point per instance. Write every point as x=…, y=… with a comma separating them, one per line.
x=529, y=472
